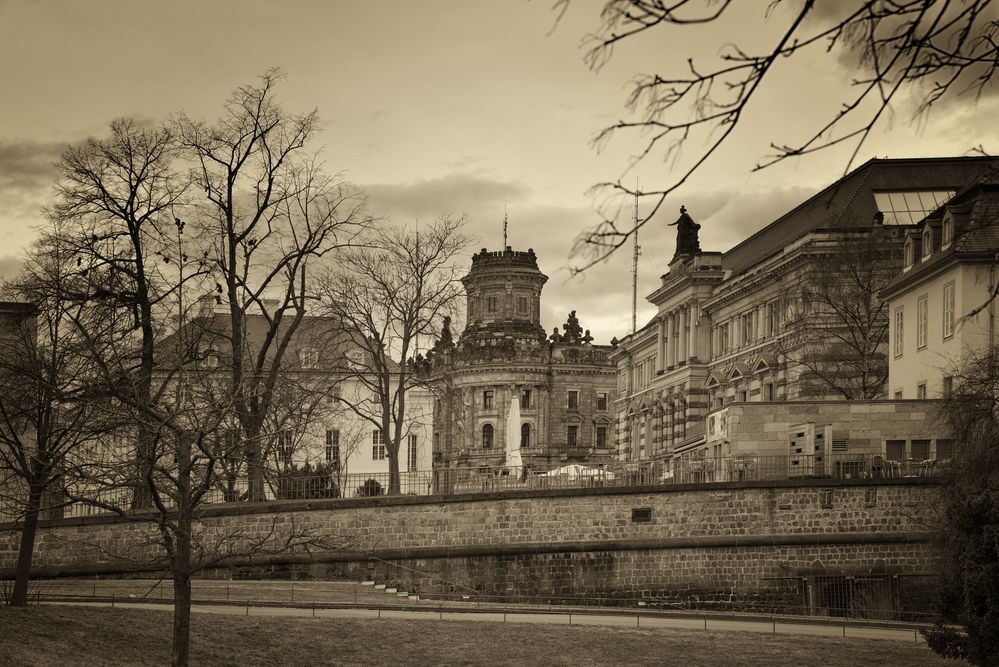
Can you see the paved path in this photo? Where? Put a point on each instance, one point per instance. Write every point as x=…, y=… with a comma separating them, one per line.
x=553, y=618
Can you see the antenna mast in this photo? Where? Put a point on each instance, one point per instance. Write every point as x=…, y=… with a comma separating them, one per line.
x=634, y=273
x=504, y=226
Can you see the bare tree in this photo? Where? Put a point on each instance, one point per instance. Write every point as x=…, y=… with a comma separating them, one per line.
x=46, y=416
x=390, y=295
x=270, y=213
x=114, y=194
x=967, y=530
x=838, y=329
x=934, y=48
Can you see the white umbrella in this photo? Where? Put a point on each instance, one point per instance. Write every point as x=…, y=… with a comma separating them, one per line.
x=576, y=471
x=513, y=459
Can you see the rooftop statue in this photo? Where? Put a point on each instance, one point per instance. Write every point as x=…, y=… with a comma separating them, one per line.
x=686, y=234
x=573, y=332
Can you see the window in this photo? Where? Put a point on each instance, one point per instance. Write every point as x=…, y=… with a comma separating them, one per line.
x=308, y=357
x=742, y=396
x=487, y=436
x=747, y=328
x=921, y=390
x=492, y=304
x=522, y=305
x=525, y=435
x=601, y=437
x=898, y=394
x=284, y=445
x=927, y=241
x=948, y=310
x=377, y=445
x=572, y=399
x=908, y=254
x=336, y=392
x=333, y=447
x=895, y=450
x=724, y=338
x=525, y=399
x=947, y=385
x=768, y=391
x=411, y=453
x=919, y=450
x=908, y=208
x=947, y=234
x=572, y=435
x=773, y=318
x=921, y=309
x=487, y=399
x=601, y=400
x=899, y=321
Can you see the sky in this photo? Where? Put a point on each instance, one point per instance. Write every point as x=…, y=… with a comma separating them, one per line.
x=443, y=106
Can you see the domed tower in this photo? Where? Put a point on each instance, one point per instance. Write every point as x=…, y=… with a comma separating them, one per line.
x=504, y=297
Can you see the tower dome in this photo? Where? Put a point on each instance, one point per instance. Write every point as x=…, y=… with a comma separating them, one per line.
x=504, y=295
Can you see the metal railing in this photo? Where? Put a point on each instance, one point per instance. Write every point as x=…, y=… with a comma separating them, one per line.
x=874, y=599
x=485, y=479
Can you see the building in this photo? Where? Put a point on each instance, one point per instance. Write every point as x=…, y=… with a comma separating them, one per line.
x=746, y=326
x=322, y=413
x=942, y=304
x=508, y=396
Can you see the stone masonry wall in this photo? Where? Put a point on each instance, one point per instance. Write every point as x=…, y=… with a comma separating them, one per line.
x=566, y=542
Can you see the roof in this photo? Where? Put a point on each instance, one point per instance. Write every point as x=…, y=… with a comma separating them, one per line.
x=849, y=202
x=320, y=334
x=976, y=233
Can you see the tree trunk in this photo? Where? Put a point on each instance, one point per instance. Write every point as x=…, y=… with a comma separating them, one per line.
x=181, y=560
x=26, y=549
x=394, y=485
x=254, y=465
x=180, y=653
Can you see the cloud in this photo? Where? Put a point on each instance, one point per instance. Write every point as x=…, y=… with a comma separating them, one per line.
x=457, y=193
x=10, y=266
x=602, y=295
x=27, y=166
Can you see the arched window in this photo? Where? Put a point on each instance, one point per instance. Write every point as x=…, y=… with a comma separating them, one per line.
x=525, y=435
x=487, y=436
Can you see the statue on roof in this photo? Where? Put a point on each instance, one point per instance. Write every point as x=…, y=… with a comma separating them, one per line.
x=556, y=337
x=587, y=338
x=686, y=234
x=573, y=332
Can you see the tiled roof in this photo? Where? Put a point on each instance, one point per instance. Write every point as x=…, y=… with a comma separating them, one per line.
x=977, y=235
x=849, y=202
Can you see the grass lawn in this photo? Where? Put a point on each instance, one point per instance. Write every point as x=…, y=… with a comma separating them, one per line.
x=53, y=635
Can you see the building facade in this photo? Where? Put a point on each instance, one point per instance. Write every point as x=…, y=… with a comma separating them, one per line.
x=507, y=395
x=753, y=324
x=942, y=304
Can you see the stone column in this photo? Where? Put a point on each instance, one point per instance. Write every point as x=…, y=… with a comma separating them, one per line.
x=660, y=331
x=668, y=342
x=695, y=329
x=684, y=333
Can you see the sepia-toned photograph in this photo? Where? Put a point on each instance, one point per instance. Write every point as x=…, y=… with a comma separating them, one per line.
x=499, y=333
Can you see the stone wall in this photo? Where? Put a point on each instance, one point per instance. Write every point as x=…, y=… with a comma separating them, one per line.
x=568, y=542
x=764, y=428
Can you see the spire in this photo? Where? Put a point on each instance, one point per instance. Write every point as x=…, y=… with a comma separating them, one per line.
x=504, y=226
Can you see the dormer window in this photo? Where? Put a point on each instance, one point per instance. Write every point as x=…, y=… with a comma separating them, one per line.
x=909, y=259
x=927, y=241
x=947, y=234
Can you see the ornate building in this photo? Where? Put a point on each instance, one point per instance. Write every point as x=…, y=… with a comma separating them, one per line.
x=739, y=327
x=507, y=395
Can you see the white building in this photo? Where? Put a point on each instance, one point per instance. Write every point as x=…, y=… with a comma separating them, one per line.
x=941, y=306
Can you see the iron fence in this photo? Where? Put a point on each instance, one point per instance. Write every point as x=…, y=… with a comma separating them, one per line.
x=792, y=597
x=94, y=499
